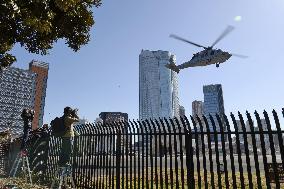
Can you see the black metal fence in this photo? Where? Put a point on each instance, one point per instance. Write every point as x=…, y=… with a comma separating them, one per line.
x=195, y=152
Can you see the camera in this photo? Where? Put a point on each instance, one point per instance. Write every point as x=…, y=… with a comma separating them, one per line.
x=74, y=113
x=28, y=114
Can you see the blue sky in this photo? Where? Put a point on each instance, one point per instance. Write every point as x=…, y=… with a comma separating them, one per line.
x=103, y=75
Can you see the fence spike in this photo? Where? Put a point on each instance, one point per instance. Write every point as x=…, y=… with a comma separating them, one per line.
x=263, y=148
x=246, y=149
x=238, y=150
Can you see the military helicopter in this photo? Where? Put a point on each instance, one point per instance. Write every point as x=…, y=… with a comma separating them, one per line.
x=207, y=56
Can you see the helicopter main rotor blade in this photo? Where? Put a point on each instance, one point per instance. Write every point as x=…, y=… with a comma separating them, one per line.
x=185, y=40
x=225, y=32
x=239, y=55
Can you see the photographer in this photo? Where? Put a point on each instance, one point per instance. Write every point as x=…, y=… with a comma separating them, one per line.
x=70, y=116
x=27, y=116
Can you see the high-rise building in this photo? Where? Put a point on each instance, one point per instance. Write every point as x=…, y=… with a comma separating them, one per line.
x=214, y=104
x=41, y=70
x=158, y=85
x=197, y=108
x=181, y=111
x=21, y=89
x=17, y=91
x=213, y=100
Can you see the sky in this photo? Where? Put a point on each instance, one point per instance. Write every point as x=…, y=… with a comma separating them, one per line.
x=104, y=74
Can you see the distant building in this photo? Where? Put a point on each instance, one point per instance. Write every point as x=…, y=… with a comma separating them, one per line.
x=214, y=104
x=41, y=70
x=99, y=121
x=17, y=91
x=213, y=101
x=21, y=89
x=197, y=108
x=110, y=117
x=158, y=86
x=81, y=122
x=124, y=141
x=181, y=111
x=240, y=129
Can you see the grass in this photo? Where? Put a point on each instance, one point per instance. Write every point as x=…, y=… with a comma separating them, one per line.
x=157, y=182
x=19, y=182
x=154, y=182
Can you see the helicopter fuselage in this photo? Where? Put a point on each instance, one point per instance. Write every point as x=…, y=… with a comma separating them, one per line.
x=206, y=57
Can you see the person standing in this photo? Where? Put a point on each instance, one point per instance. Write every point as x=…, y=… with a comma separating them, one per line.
x=70, y=116
x=27, y=116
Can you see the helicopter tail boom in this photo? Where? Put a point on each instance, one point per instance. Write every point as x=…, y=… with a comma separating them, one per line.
x=173, y=67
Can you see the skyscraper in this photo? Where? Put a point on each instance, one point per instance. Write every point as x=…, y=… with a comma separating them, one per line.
x=41, y=71
x=214, y=104
x=158, y=85
x=213, y=99
x=197, y=108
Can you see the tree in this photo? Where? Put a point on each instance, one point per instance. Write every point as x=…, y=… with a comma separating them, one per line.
x=37, y=24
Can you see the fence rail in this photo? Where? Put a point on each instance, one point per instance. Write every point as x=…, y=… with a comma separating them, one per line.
x=195, y=152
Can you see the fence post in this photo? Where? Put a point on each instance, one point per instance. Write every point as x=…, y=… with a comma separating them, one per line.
x=196, y=139
x=263, y=149
x=272, y=149
x=239, y=151
x=253, y=139
x=189, y=155
x=118, y=158
x=280, y=137
x=246, y=150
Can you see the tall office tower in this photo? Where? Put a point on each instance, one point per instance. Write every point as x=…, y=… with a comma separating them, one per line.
x=17, y=91
x=214, y=104
x=213, y=100
x=197, y=108
x=181, y=111
x=158, y=85
x=41, y=71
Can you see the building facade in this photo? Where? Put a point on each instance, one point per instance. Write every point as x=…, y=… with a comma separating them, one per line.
x=158, y=85
x=213, y=100
x=21, y=89
x=110, y=117
x=41, y=70
x=17, y=91
x=197, y=108
x=214, y=104
x=181, y=111
x=122, y=142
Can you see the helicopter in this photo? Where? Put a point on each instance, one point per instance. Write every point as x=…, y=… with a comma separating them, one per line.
x=206, y=57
